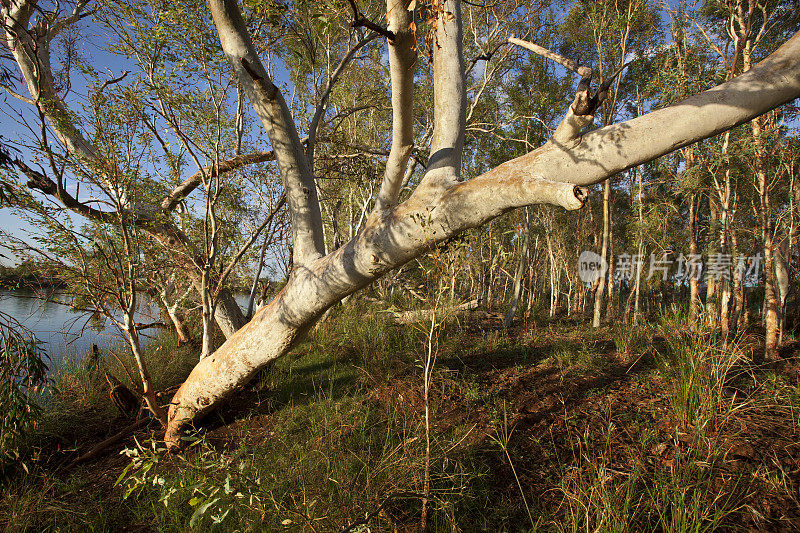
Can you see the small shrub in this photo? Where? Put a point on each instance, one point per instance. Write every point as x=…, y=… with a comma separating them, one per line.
x=23, y=377
x=215, y=486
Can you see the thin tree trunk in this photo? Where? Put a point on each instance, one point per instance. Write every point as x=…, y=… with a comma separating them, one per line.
x=739, y=314
x=640, y=251
x=177, y=320
x=695, y=304
x=523, y=256
x=553, y=288
x=611, y=293
x=147, y=388
x=598, y=295
x=711, y=283
x=782, y=282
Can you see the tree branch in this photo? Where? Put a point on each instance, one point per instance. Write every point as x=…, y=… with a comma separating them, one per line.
x=583, y=72
x=112, y=81
x=322, y=105
x=39, y=181
x=449, y=97
x=192, y=182
x=271, y=108
x=77, y=14
x=402, y=58
x=246, y=245
x=360, y=21
x=17, y=95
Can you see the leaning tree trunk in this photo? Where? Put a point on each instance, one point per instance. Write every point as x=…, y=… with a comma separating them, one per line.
x=442, y=205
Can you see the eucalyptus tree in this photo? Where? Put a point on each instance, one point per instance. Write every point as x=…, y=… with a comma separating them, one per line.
x=444, y=200
x=443, y=204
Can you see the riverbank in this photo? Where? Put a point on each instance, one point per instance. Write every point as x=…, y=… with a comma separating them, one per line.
x=27, y=276
x=551, y=427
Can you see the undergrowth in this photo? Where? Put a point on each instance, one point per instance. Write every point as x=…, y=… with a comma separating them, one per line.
x=332, y=437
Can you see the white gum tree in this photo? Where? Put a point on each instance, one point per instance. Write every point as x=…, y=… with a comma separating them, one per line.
x=443, y=204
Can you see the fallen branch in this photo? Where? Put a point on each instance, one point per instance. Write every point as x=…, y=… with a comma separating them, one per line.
x=424, y=314
x=97, y=450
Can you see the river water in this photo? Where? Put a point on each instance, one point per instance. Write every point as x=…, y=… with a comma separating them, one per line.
x=64, y=332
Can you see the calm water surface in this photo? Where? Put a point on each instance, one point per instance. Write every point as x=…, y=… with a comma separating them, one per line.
x=63, y=331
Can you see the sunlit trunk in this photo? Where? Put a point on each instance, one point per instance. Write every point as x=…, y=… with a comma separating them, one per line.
x=601, y=287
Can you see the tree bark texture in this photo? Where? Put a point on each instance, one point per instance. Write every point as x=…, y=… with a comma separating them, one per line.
x=556, y=174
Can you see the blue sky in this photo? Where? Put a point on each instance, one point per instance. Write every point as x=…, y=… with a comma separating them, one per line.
x=93, y=52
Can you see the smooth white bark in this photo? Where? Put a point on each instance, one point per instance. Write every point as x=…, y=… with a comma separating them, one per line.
x=443, y=206
x=270, y=106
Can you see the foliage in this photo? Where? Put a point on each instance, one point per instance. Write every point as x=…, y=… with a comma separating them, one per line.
x=23, y=379
x=217, y=486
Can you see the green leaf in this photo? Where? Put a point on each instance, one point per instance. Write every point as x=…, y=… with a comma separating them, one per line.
x=198, y=514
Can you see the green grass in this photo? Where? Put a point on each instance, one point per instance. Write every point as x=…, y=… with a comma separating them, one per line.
x=700, y=364
x=679, y=495
x=333, y=434
x=633, y=339
x=79, y=404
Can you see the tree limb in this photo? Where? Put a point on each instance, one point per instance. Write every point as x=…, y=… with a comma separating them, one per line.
x=322, y=105
x=17, y=95
x=583, y=72
x=271, y=108
x=360, y=21
x=192, y=182
x=41, y=182
x=402, y=58
x=449, y=97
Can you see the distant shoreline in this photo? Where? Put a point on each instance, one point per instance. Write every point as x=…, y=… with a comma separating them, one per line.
x=24, y=277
